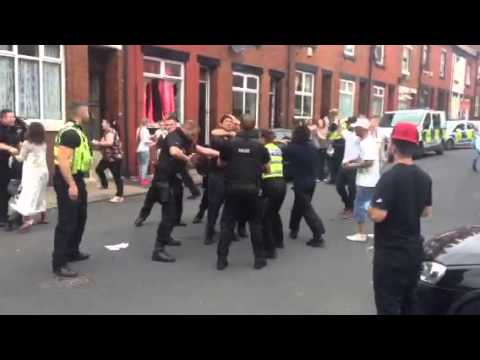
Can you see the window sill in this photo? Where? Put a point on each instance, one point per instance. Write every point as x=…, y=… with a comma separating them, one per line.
x=349, y=57
x=381, y=66
x=49, y=125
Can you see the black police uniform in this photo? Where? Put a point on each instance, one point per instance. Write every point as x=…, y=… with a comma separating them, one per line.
x=167, y=183
x=151, y=197
x=273, y=191
x=245, y=159
x=10, y=136
x=216, y=191
x=72, y=214
x=404, y=192
x=302, y=159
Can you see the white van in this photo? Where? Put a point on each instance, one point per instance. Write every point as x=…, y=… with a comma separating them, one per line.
x=431, y=125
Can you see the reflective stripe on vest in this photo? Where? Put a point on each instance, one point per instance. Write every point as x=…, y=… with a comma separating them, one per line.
x=82, y=155
x=427, y=136
x=276, y=162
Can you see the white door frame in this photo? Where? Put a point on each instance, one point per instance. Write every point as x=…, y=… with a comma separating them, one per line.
x=207, y=104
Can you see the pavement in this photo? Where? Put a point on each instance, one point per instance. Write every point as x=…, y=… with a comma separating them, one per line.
x=303, y=280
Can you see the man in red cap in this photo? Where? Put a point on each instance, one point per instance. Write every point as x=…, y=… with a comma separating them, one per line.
x=402, y=196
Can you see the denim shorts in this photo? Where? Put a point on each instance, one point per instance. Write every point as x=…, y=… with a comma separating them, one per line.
x=362, y=202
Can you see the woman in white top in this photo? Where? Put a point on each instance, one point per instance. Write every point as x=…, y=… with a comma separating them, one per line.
x=32, y=199
x=319, y=132
x=143, y=152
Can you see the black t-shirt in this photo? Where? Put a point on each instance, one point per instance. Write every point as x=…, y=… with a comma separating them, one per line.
x=9, y=136
x=302, y=160
x=245, y=158
x=217, y=143
x=404, y=192
x=167, y=166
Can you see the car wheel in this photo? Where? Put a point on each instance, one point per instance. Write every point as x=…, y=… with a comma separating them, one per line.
x=440, y=150
x=470, y=308
x=449, y=144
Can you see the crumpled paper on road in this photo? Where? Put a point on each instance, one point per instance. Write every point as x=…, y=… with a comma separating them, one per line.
x=117, y=246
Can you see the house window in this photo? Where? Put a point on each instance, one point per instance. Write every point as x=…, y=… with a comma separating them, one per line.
x=347, y=97
x=425, y=57
x=379, y=54
x=478, y=72
x=468, y=75
x=32, y=81
x=349, y=50
x=406, y=59
x=477, y=107
x=378, y=100
x=443, y=64
x=164, y=88
x=304, y=85
x=245, y=94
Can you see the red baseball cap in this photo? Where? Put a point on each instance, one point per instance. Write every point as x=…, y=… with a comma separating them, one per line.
x=405, y=132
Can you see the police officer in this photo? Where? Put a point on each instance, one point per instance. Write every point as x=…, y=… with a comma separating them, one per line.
x=9, y=141
x=244, y=158
x=337, y=144
x=173, y=158
x=73, y=160
x=402, y=196
x=274, y=189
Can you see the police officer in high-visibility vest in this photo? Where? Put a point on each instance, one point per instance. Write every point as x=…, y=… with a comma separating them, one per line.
x=336, y=144
x=274, y=189
x=73, y=160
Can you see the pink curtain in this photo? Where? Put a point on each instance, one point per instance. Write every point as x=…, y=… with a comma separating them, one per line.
x=148, y=104
x=167, y=96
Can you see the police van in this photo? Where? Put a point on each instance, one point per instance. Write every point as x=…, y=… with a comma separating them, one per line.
x=460, y=133
x=431, y=125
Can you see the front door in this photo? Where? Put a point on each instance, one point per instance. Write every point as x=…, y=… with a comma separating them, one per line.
x=326, y=93
x=204, y=106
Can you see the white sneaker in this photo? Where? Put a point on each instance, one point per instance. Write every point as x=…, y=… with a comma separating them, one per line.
x=358, y=237
x=116, y=200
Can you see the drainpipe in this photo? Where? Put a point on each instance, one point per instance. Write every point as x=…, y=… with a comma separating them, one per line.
x=370, y=71
x=289, y=63
x=419, y=90
x=125, y=104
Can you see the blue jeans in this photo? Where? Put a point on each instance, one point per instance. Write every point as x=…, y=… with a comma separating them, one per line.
x=362, y=199
x=143, y=160
x=475, y=161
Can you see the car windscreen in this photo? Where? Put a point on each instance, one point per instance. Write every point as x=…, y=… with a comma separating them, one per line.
x=386, y=120
x=413, y=117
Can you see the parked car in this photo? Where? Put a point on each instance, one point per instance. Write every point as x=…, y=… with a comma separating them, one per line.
x=460, y=134
x=431, y=127
x=450, y=279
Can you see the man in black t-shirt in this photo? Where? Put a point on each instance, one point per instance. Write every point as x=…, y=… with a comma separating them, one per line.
x=244, y=159
x=402, y=196
x=9, y=141
x=166, y=182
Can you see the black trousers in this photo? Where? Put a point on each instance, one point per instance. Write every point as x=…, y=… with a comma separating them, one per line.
x=346, y=187
x=216, y=197
x=5, y=176
x=204, y=202
x=72, y=217
x=246, y=208
x=302, y=207
x=274, y=191
x=189, y=183
x=335, y=161
x=151, y=198
x=116, y=168
x=169, y=216
x=322, y=160
x=395, y=289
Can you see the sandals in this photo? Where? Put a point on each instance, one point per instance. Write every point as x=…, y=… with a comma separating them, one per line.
x=26, y=226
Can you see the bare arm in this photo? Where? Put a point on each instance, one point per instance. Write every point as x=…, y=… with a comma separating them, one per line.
x=267, y=168
x=211, y=153
x=427, y=211
x=178, y=154
x=11, y=149
x=377, y=215
x=23, y=153
x=222, y=132
x=359, y=165
x=108, y=141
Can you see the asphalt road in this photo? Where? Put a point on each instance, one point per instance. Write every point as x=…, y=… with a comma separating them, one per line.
x=303, y=280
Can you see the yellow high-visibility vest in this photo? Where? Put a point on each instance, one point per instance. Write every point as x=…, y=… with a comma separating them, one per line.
x=276, y=162
x=82, y=156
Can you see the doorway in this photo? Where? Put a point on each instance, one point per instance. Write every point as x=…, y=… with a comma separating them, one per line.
x=391, y=98
x=326, y=93
x=274, y=103
x=97, y=61
x=204, y=106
